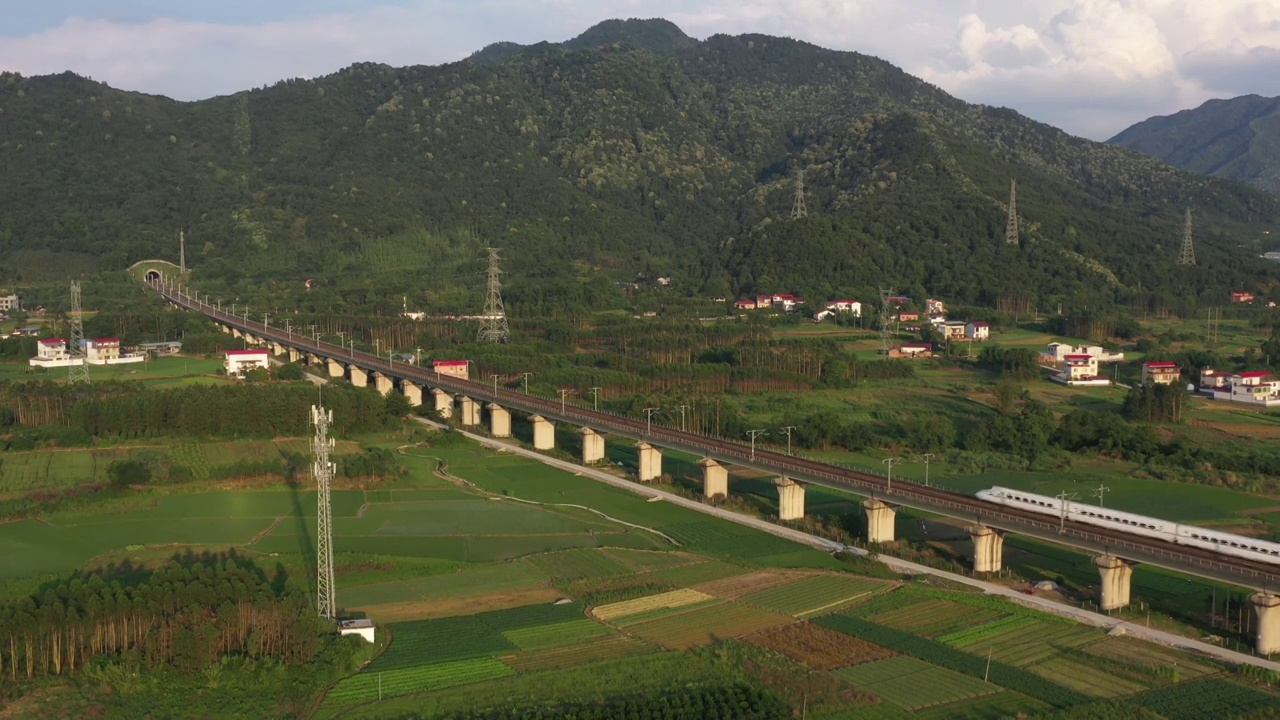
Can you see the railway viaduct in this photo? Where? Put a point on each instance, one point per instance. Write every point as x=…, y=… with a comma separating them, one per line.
x=1115, y=551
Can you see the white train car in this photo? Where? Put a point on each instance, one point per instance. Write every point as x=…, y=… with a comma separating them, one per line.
x=1222, y=542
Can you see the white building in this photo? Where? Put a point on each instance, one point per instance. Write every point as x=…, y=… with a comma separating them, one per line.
x=52, y=352
x=1079, y=370
x=1060, y=350
x=10, y=302
x=363, y=627
x=978, y=330
x=1255, y=387
x=106, y=351
x=853, y=307
x=239, y=362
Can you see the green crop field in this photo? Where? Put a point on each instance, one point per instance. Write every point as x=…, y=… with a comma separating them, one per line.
x=1086, y=678
x=935, y=617
x=1207, y=698
x=821, y=593
x=373, y=684
x=706, y=625
x=913, y=684
x=542, y=637
x=598, y=649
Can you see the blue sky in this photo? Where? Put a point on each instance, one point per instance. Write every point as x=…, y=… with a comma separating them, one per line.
x=1091, y=67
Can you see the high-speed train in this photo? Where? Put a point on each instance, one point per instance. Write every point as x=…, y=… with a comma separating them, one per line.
x=1222, y=542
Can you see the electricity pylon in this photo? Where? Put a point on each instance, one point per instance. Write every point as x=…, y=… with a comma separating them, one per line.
x=321, y=445
x=1188, y=254
x=78, y=370
x=493, y=323
x=798, y=210
x=1011, y=226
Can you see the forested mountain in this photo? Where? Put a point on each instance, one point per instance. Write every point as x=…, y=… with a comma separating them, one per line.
x=1237, y=139
x=632, y=149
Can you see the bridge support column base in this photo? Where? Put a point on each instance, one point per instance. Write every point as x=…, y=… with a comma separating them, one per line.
x=592, y=446
x=988, y=549
x=650, y=461
x=412, y=393
x=359, y=378
x=277, y=348
x=880, y=521
x=499, y=421
x=335, y=369
x=470, y=410
x=444, y=403
x=383, y=384
x=1116, y=575
x=294, y=355
x=544, y=433
x=790, y=499
x=715, y=479
x=1266, y=609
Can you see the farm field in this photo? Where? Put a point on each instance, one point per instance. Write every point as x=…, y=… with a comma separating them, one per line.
x=818, y=647
x=819, y=593
x=912, y=684
x=703, y=626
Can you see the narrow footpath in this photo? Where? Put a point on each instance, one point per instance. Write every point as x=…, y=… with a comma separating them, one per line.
x=1043, y=604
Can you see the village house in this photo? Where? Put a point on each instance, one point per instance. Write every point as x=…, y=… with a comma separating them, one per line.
x=239, y=362
x=453, y=368
x=107, y=351
x=822, y=315
x=1059, y=350
x=908, y=316
x=1160, y=372
x=845, y=306
x=10, y=303
x=934, y=307
x=745, y=305
x=978, y=330
x=53, y=352
x=1079, y=370
x=912, y=351
x=1240, y=296
x=898, y=300
x=1255, y=387
x=953, y=330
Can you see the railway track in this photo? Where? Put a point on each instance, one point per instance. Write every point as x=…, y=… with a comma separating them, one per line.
x=915, y=495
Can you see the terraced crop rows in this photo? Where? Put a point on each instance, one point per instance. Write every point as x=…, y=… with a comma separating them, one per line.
x=1029, y=642
x=434, y=641
x=667, y=600
x=818, y=593
x=1085, y=678
x=556, y=635
x=913, y=684
x=705, y=625
x=610, y=647
x=935, y=617
x=569, y=565
x=1136, y=652
x=421, y=678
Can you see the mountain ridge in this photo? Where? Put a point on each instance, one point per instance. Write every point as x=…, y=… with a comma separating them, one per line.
x=614, y=157
x=1236, y=138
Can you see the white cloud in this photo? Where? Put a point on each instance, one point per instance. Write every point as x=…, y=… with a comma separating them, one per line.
x=1089, y=66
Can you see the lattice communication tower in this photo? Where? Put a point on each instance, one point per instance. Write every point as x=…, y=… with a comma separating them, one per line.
x=1188, y=254
x=323, y=469
x=78, y=370
x=798, y=209
x=1011, y=226
x=493, y=323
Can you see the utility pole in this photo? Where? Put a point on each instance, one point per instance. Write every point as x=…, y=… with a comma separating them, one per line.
x=1011, y=225
x=526, y=375
x=788, y=430
x=926, y=458
x=495, y=387
x=182, y=253
x=493, y=323
x=1187, y=256
x=417, y=357
x=798, y=210
x=564, y=393
x=890, y=462
x=326, y=599
x=682, y=409
x=648, y=419
x=1063, y=498
x=78, y=370
x=595, y=398
x=754, y=434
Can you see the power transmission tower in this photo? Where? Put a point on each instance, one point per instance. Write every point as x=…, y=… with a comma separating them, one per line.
x=888, y=321
x=182, y=253
x=493, y=323
x=326, y=592
x=1011, y=227
x=1188, y=254
x=798, y=210
x=78, y=370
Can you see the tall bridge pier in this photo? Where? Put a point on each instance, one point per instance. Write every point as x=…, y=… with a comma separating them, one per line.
x=649, y=461
x=1117, y=576
x=715, y=479
x=880, y=521
x=790, y=498
x=1266, y=610
x=444, y=403
x=988, y=549
x=544, y=433
x=499, y=421
x=592, y=446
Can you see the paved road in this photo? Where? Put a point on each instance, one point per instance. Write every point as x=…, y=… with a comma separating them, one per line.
x=1044, y=604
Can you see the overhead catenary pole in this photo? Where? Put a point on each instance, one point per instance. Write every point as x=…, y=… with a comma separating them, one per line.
x=926, y=457
x=890, y=462
x=754, y=434
x=595, y=397
x=648, y=419
x=787, y=430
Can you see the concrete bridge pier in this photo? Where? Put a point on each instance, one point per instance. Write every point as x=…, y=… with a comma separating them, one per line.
x=336, y=370
x=411, y=392
x=251, y=339
x=383, y=384
x=499, y=421
x=470, y=410
x=312, y=359
x=988, y=549
x=880, y=521
x=225, y=328
x=592, y=446
x=1116, y=582
x=715, y=479
x=1266, y=609
x=790, y=499
x=235, y=332
x=294, y=355
x=650, y=461
x=359, y=376
x=444, y=403
x=277, y=348
x=544, y=433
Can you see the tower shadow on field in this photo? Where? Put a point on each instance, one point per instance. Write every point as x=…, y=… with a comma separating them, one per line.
x=306, y=542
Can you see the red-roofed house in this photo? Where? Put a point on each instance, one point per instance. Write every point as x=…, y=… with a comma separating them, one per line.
x=1240, y=296
x=912, y=350
x=908, y=316
x=453, y=368
x=52, y=352
x=745, y=305
x=845, y=306
x=1079, y=367
x=1160, y=372
x=238, y=362
x=1255, y=387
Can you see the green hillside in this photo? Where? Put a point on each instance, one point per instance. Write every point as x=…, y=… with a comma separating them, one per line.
x=1237, y=139
x=631, y=149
